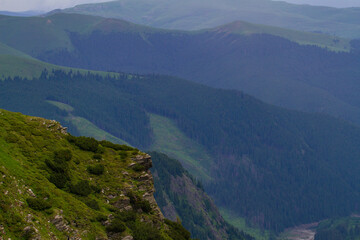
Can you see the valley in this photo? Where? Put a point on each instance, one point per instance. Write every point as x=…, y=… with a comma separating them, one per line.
x=180, y=121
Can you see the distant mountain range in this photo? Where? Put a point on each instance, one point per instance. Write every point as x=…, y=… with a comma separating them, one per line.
x=276, y=167
x=261, y=61
x=22, y=14
x=200, y=14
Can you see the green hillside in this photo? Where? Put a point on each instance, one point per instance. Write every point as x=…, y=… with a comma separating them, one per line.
x=55, y=185
x=199, y=14
x=266, y=66
x=258, y=151
x=169, y=139
x=305, y=38
x=339, y=229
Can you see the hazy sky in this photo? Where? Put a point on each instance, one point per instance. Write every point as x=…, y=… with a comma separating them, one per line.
x=43, y=5
x=332, y=3
x=47, y=5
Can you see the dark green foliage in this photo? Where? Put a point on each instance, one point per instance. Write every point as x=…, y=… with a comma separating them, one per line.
x=166, y=170
x=11, y=138
x=98, y=169
x=177, y=231
x=97, y=156
x=116, y=226
x=84, y=143
x=28, y=234
x=137, y=202
x=138, y=168
x=64, y=155
x=58, y=179
x=96, y=188
x=101, y=218
x=256, y=147
x=92, y=203
x=82, y=188
x=116, y=147
x=57, y=165
x=339, y=229
x=38, y=204
x=127, y=216
x=123, y=154
x=145, y=231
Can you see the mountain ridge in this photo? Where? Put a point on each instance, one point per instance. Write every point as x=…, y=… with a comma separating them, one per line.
x=195, y=15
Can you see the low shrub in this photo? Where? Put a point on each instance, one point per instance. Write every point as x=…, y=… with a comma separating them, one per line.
x=82, y=188
x=92, y=204
x=63, y=155
x=38, y=204
x=97, y=156
x=57, y=165
x=127, y=216
x=145, y=231
x=96, y=170
x=138, y=168
x=58, y=179
x=96, y=188
x=177, y=231
x=138, y=203
x=84, y=143
x=11, y=138
x=101, y=218
x=116, y=226
x=116, y=147
x=123, y=154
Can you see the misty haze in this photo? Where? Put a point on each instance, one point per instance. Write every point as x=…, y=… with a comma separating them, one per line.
x=180, y=120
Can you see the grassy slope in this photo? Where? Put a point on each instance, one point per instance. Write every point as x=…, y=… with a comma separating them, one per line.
x=85, y=127
x=305, y=38
x=240, y=223
x=169, y=139
x=26, y=142
x=206, y=14
x=51, y=32
x=35, y=34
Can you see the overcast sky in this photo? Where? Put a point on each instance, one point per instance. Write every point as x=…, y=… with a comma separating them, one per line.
x=332, y=3
x=42, y=5
x=47, y=5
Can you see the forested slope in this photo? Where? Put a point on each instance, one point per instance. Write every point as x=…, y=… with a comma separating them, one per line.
x=277, y=167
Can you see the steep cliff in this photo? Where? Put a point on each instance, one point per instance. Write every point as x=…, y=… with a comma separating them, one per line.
x=56, y=186
x=180, y=195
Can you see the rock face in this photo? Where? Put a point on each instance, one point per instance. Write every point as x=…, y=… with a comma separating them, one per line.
x=180, y=196
x=143, y=160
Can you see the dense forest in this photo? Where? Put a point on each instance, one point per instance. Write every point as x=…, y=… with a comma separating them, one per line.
x=274, y=69
x=278, y=168
x=193, y=210
x=339, y=229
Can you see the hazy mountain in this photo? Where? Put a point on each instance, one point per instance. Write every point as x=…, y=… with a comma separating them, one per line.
x=191, y=15
x=235, y=56
x=22, y=14
x=329, y=3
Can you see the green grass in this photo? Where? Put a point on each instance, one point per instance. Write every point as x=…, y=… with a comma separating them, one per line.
x=85, y=127
x=169, y=139
x=305, y=38
x=15, y=63
x=240, y=224
x=26, y=145
x=6, y=50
